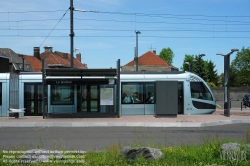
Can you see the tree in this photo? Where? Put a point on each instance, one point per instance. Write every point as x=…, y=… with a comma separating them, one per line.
x=188, y=58
x=167, y=55
x=240, y=68
x=205, y=69
x=211, y=73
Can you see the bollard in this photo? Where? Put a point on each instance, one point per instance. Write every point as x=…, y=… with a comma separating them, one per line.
x=241, y=106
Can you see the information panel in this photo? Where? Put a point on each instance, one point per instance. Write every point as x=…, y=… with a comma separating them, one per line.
x=106, y=96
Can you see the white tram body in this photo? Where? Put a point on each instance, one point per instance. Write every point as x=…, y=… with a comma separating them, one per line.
x=194, y=95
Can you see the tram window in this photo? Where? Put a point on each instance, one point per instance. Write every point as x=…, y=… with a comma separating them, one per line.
x=0, y=93
x=62, y=94
x=132, y=93
x=200, y=91
x=150, y=93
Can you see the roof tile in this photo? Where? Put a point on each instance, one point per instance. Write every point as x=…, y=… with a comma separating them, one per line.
x=149, y=59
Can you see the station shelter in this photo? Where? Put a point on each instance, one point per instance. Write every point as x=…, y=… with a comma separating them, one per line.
x=70, y=92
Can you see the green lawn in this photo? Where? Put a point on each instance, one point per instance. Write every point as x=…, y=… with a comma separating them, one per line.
x=206, y=154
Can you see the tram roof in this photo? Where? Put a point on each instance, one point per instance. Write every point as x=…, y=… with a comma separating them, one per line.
x=153, y=72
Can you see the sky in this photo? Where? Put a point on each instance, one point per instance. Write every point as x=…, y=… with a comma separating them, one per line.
x=105, y=29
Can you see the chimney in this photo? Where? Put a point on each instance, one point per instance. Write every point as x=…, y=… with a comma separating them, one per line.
x=65, y=56
x=78, y=57
x=154, y=51
x=48, y=49
x=37, y=52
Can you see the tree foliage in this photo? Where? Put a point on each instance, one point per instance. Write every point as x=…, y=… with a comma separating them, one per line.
x=167, y=55
x=205, y=69
x=189, y=59
x=211, y=73
x=240, y=68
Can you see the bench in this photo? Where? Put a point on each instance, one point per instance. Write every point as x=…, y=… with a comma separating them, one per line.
x=16, y=111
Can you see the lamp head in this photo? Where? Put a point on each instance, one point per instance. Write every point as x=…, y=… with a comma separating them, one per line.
x=137, y=32
x=187, y=63
x=219, y=53
x=201, y=55
x=194, y=60
x=234, y=49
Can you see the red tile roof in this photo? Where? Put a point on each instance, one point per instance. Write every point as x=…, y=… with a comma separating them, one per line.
x=149, y=59
x=54, y=60
x=35, y=63
x=67, y=56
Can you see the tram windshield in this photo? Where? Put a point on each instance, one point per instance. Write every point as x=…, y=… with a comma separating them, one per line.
x=200, y=91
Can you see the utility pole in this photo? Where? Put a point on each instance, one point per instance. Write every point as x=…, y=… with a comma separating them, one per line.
x=136, y=57
x=71, y=34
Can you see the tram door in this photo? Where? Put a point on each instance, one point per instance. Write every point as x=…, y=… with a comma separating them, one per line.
x=180, y=98
x=33, y=99
x=90, y=98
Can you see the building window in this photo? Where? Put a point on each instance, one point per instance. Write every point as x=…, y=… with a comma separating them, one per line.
x=200, y=91
x=62, y=94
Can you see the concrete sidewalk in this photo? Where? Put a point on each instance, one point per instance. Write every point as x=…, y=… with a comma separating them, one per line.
x=217, y=118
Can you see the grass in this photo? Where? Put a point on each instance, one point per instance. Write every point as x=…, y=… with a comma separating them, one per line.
x=206, y=154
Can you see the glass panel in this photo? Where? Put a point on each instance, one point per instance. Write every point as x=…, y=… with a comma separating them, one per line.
x=29, y=92
x=84, y=92
x=39, y=107
x=132, y=93
x=200, y=91
x=93, y=92
x=150, y=92
x=29, y=105
x=109, y=108
x=39, y=92
x=0, y=93
x=84, y=97
x=84, y=105
x=94, y=105
x=62, y=94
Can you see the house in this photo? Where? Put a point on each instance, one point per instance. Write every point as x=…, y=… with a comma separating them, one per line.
x=149, y=61
x=52, y=59
x=13, y=62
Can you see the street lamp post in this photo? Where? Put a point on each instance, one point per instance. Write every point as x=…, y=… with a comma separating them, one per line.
x=136, y=57
x=227, y=81
x=190, y=64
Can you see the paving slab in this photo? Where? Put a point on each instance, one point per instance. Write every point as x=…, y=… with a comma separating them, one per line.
x=217, y=118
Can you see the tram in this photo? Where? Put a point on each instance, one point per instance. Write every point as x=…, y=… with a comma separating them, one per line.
x=139, y=94
x=138, y=91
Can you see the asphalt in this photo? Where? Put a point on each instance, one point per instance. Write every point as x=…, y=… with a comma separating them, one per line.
x=217, y=118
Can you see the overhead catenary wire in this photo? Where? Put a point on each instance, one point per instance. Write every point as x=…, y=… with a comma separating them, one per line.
x=128, y=30
x=37, y=11
x=129, y=36
x=194, y=21
x=54, y=27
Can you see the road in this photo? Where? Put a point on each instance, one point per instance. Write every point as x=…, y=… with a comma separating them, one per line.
x=98, y=138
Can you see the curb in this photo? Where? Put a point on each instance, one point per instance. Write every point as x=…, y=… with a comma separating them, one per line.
x=122, y=124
